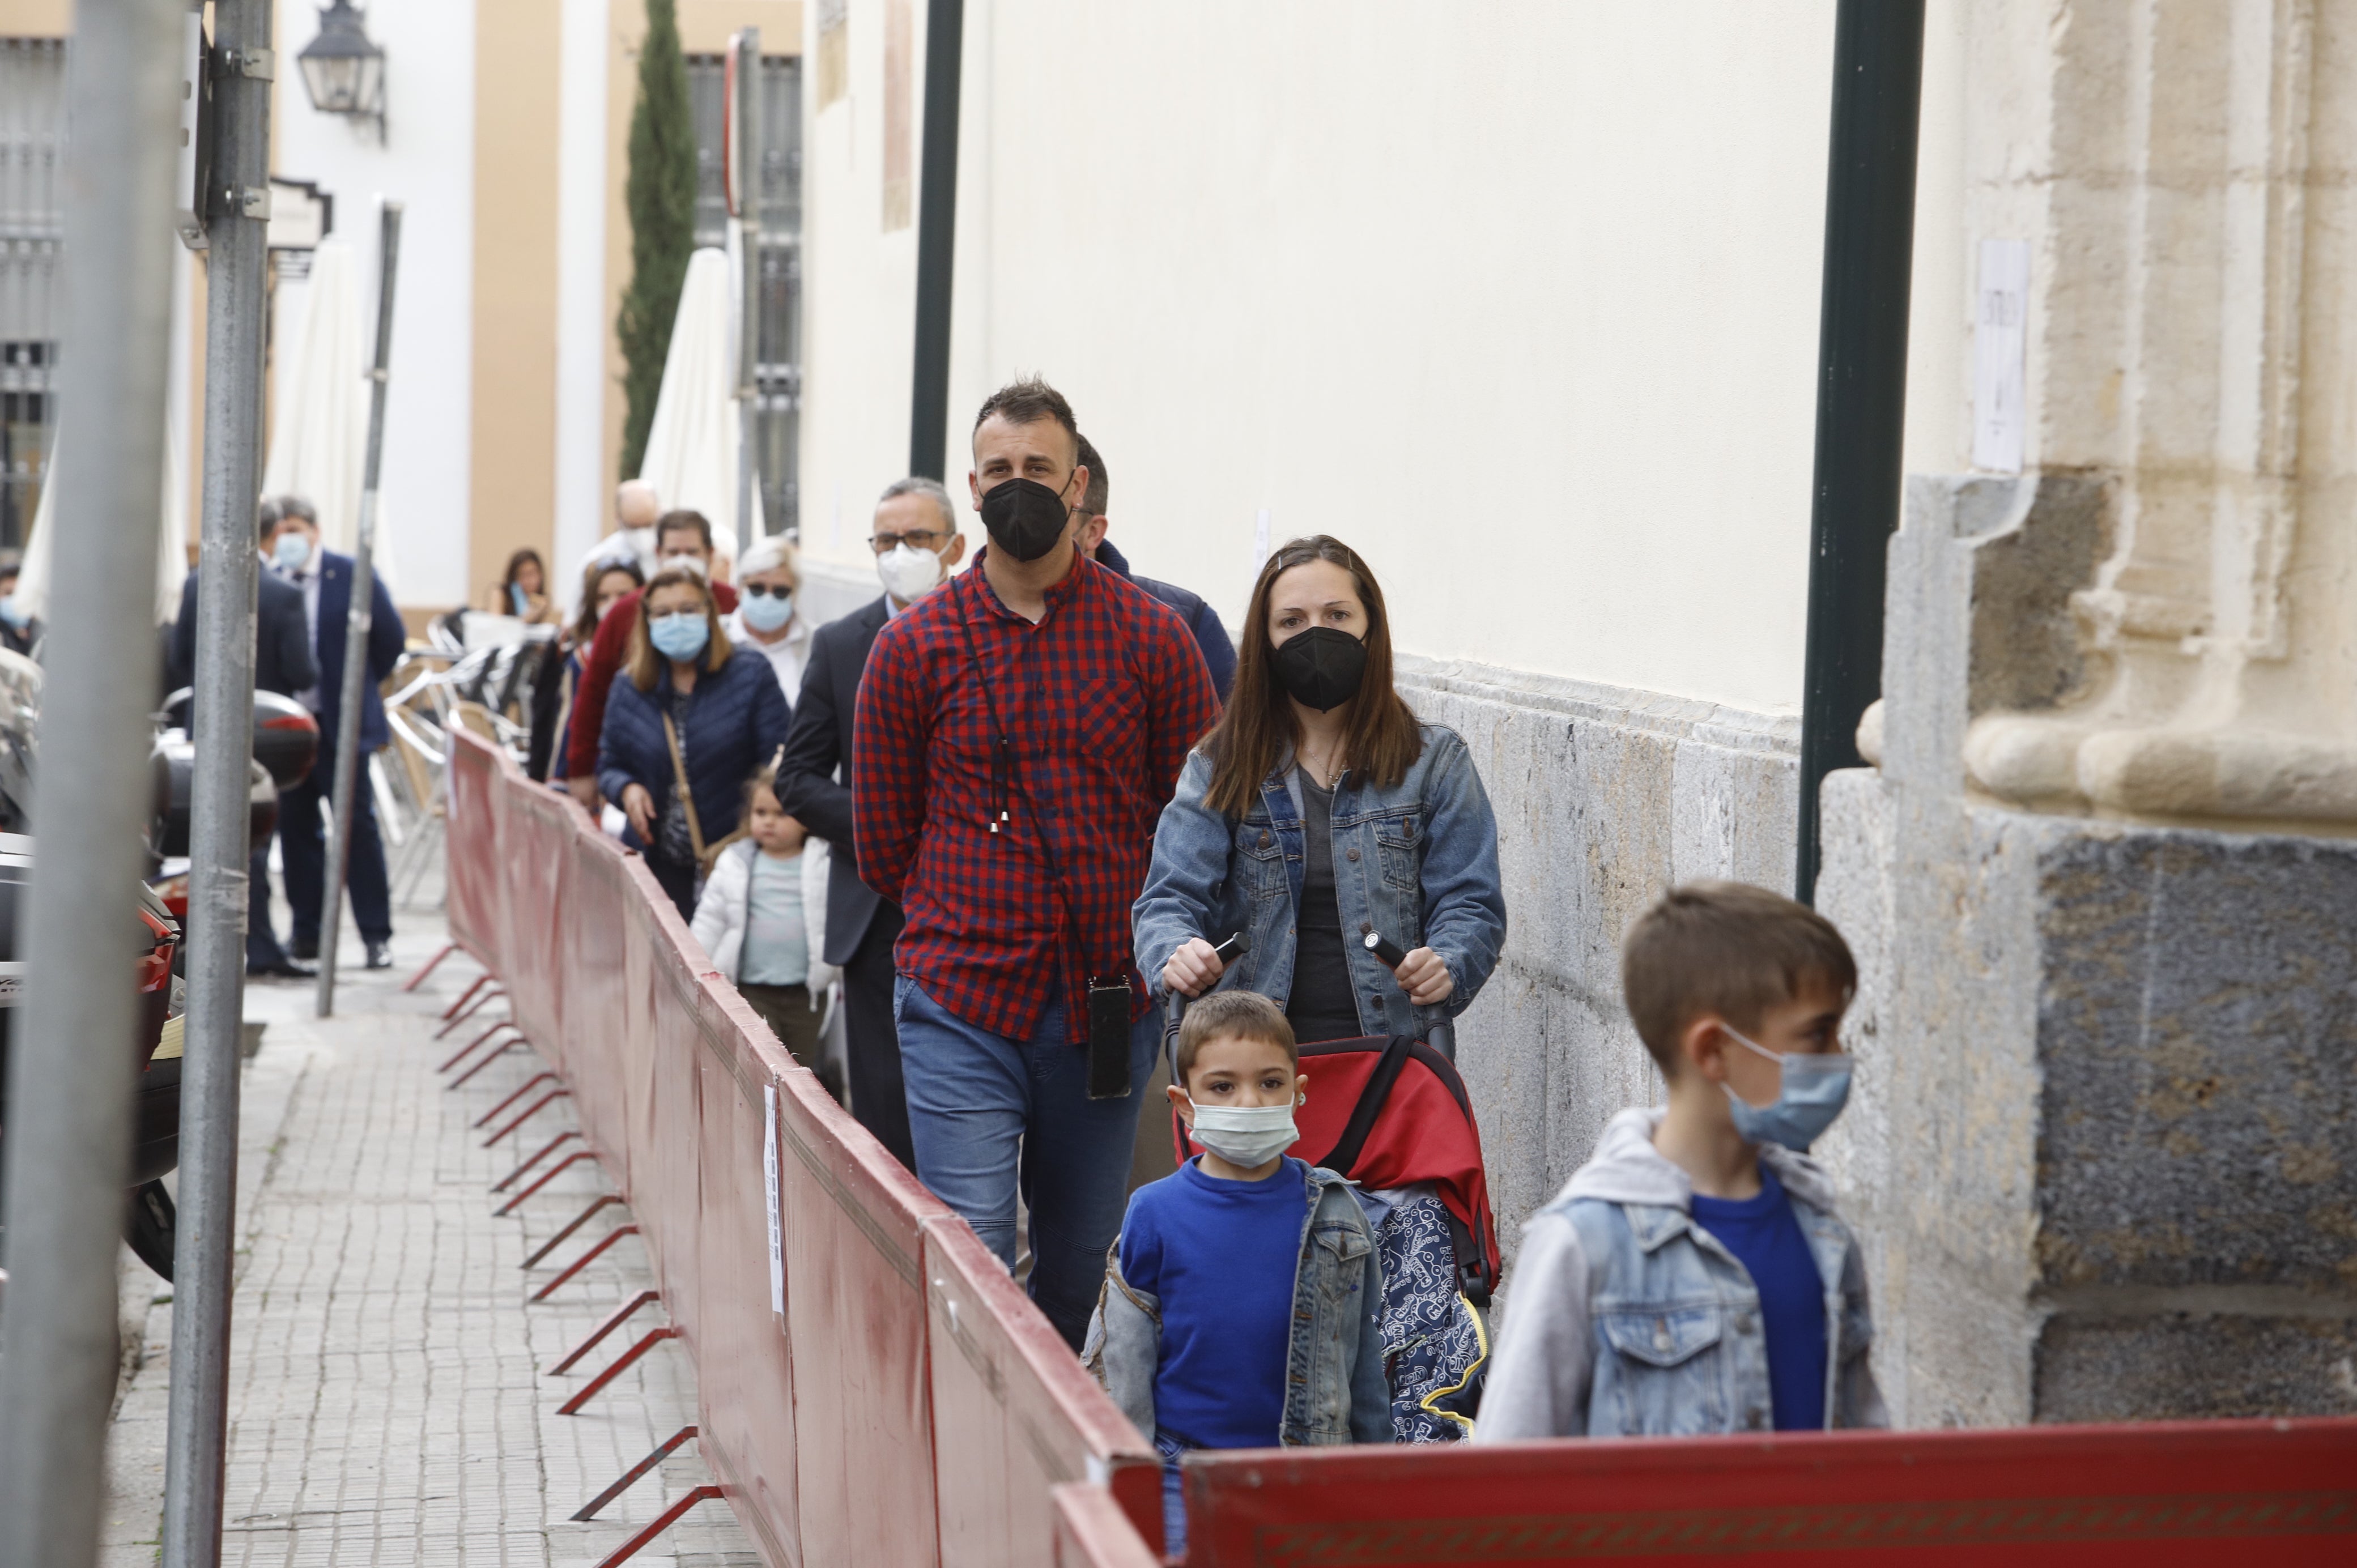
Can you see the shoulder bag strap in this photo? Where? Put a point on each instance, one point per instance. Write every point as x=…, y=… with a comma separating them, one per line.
x=686, y=796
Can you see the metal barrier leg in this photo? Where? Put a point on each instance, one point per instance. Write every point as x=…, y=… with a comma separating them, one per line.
x=670, y=1516
x=527, y=1115
x=583, y=1261
x=489, y=1057
x=550, y=1174
x=493, y=995
x=463, y=1051
x=589, y=1509
x=647, y=1342
x=597, y=1205
x=621, y=1316
x=545, y=1150
x=414, y=981
x=460, y=1000
x=535, y=1081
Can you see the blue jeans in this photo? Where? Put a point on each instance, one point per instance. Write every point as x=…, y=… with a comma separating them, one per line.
x=986, y=1112
x=1174, y=1495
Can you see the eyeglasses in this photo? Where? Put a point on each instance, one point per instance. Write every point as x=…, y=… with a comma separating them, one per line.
x=762, y=590
x=918, y=539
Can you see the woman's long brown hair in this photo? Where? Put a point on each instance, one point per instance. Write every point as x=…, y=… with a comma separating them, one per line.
x=1380, y=735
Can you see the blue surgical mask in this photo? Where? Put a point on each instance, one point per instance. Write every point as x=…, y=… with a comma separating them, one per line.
x=766, y=612
x=12, y=612
x=1815, y=1086
x=682, y=635
x=291, y=551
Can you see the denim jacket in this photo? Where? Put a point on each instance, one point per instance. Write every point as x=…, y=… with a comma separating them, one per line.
x=1627, y=1319
x=1335, y=1390
x=1417, y=863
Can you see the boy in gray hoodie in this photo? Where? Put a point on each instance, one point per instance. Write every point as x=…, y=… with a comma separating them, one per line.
x=1693, y=1277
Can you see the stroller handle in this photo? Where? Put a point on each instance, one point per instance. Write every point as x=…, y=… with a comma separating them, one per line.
x=1174, y=1006
x=1440, y=1033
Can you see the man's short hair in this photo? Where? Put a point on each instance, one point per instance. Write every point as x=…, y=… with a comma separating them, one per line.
x=266, y=519
x=1099, y=495
x=766, y=555
x=298, y=509
x=680, y=521
x=1027, y=402
x=1727, y=947
x=1245, y=1014
x=931, y=489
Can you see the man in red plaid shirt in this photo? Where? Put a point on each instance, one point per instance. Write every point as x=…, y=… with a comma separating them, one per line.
x=1018, y=733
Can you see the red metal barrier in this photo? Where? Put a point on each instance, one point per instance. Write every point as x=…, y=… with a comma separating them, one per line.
x=828, y=1423
x=2145, y=1496
x=909, y=1406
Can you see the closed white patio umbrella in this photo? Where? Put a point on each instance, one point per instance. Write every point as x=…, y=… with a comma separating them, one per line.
x=692, y=446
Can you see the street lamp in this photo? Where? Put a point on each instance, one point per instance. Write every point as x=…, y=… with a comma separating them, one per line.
x=344, y=72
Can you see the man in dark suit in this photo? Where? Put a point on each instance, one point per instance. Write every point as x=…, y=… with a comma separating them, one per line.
x=283, y=663
x=916, y=541
x=324, y=580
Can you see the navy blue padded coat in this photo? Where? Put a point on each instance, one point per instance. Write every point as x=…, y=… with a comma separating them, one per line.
x=729, y=727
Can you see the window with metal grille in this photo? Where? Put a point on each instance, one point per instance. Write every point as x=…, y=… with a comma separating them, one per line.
x=32, y=233
x=777, y=443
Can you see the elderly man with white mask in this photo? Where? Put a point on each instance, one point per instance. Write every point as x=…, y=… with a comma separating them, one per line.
x=767, y=620
x=636, y=507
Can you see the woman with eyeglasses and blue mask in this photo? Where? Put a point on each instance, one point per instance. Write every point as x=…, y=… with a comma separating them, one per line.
x=768, y=620
x=695, y=717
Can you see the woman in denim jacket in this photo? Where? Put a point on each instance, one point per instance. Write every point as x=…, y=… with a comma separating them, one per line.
x=1320, y=810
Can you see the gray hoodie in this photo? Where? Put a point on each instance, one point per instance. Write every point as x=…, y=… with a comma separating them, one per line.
x=1628, y=1319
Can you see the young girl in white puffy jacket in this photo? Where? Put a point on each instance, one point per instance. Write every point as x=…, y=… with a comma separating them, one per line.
x=762, y=917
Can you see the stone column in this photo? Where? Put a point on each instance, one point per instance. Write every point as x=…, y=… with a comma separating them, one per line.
x=2104, y=879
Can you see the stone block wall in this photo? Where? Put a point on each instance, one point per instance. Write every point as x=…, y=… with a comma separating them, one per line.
x=2102, y=1153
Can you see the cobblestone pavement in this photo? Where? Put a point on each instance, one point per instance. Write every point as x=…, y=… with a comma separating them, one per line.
x=386, y=1402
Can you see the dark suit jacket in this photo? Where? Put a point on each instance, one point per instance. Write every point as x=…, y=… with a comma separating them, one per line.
x=387, y=638
x=818, y=744
x=282, y=661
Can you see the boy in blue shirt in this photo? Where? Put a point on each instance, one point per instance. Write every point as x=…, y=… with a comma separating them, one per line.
x=1242, y=1307
x=1694, y=1277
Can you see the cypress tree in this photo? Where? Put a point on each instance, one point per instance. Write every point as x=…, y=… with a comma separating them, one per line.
x=660, y=197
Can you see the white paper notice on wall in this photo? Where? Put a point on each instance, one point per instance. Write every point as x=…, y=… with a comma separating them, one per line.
x=770, y=1182
x=2000, y=356
x=1260, y=539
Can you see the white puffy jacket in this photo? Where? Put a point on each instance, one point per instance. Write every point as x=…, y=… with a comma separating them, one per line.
x=720, y=913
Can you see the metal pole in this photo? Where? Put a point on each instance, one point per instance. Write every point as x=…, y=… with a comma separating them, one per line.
x=69, y=1134
x=929, y=396
x=748, y=135
x=204, y=1245
x=1861, y=384
x=356, y=629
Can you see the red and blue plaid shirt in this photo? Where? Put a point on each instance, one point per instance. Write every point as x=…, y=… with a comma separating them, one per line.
x=1100, y=701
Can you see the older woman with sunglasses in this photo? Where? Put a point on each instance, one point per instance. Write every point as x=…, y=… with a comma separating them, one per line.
x=767, y=619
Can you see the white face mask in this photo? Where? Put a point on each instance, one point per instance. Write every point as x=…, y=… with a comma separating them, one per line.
x=696, y=563
x=1245, y=1136
x=909, y=574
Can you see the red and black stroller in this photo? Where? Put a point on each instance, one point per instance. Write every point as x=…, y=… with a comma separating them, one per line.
x=1393, y=1117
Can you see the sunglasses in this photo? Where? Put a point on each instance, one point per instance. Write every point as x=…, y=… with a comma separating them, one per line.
x=762, y=590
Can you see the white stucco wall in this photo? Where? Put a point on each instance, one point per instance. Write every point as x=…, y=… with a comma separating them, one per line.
x=428, y=164
x=1520, y=300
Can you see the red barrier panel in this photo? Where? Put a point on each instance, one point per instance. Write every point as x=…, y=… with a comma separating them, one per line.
x=1015, y=1407
x=1092, y=1532
x=2144, y=1495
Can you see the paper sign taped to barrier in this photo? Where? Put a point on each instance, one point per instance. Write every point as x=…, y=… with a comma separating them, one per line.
x=769, y=1183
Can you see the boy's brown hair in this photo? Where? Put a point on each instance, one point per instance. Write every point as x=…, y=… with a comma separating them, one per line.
x=1727, y=947
x=1246, y=1015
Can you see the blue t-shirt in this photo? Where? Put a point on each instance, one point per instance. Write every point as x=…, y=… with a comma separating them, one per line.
x=1223, y=1257
x=1766, y=1238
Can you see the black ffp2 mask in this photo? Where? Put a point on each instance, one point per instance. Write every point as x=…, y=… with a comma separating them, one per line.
x=1320, y=668
x=1025, y=516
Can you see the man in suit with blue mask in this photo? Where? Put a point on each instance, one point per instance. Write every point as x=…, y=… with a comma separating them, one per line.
x=325, y=577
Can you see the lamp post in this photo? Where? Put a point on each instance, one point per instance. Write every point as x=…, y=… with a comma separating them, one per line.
x=343, y=71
